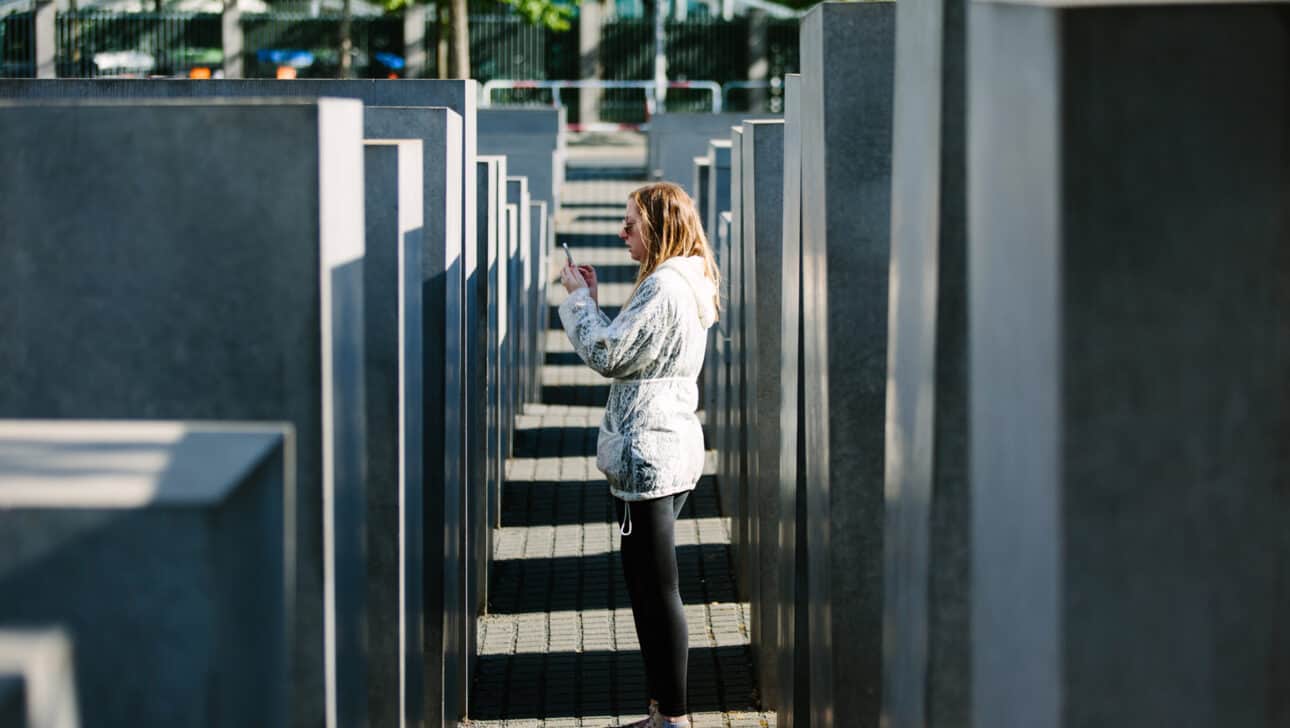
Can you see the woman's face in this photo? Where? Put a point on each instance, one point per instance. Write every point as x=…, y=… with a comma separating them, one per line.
x=631, y=232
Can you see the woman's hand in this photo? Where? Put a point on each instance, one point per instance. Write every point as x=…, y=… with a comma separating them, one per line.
x=589, y=277
x=572, y=279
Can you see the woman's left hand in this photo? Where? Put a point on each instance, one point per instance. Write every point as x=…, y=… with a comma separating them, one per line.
x=572, y=279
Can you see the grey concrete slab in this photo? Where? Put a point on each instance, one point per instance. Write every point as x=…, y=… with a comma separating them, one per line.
x=721, y=377
x=699, y=192
x=675, y=139
x=762, y=174
x=492, y=300
x=37, y=678
x=461, y=96
x=164, y=551
x=792, y=705
x=510, y=345
x=847, y=59
x=445, y=621
x=533, y=142
x=13, y=700
x=733, y=473
x=718, y=182
x=520, y=195
x=481, y=369
x=392, y=308
x=250, y=306
x=718, y=202
x=518, y=281
x=1128, y=364
x=926, y=653
x=539, y=245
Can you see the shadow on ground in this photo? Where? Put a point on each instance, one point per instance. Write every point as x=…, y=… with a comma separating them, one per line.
x=574, y=684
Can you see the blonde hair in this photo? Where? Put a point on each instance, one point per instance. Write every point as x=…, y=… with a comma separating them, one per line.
x=670, y=227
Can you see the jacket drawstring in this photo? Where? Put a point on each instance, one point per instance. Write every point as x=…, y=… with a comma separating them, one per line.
x=626, y=528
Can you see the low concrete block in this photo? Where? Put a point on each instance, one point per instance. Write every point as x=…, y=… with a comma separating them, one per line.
x=847, y=57
x=676, y=138
x=164, y=550
x=173, y=296
x=533, y=142
x=37, y=679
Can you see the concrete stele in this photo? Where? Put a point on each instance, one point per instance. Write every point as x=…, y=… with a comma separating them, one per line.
x=792, y=705
x=445, y=621
x=763, y=190
x=249, y=306
x=1128, y=364
x=38, y=671
x=847, y=67
x=927, y=646
x=393, y=347
x=164, y=550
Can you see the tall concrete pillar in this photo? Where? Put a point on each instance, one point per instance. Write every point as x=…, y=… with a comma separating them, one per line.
x=792, y=704
x=1129, y=361
x=415, y=52
x=731, y=473
x=758, y=60
x=927, y=647
x=231, y=39
x=46, y=39
x=847, y=57
x=590, y=67
x=762, y=203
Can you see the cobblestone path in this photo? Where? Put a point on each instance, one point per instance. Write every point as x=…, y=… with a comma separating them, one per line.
x=558, y=646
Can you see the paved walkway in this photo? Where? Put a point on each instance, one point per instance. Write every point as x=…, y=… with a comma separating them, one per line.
x=558, y=646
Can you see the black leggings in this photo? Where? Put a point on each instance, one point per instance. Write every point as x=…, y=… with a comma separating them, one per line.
x=649, y=568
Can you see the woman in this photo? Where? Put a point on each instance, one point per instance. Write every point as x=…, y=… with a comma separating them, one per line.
x=650, y=446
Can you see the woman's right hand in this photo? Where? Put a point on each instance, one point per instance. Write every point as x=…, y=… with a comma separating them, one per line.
x=572, y=279
x=589, y=276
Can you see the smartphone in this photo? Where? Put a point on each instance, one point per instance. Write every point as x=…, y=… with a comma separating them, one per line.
x=568, y=256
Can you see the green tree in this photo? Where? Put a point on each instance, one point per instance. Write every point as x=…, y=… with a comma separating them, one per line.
x=454, y=28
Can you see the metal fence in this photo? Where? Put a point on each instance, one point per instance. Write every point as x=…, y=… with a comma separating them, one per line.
x=310, y=45
x=97, y=43
x=18, y=44
x=100, y=43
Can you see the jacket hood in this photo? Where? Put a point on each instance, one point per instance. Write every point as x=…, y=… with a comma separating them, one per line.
x=692, y=270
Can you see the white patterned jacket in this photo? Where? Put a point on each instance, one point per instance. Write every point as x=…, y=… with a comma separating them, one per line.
x=650, y=443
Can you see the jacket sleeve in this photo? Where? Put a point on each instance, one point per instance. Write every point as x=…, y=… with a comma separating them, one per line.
x=617, y=348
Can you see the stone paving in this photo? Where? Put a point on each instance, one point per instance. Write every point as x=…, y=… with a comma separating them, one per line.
x=558, y=646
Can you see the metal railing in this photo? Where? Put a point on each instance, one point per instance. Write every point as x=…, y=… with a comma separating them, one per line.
x=655, y=92
x=503, y=46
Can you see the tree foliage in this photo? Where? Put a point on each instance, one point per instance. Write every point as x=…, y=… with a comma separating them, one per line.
x=553, y=14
